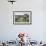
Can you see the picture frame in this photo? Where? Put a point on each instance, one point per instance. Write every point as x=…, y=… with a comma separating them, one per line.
x=22, y=17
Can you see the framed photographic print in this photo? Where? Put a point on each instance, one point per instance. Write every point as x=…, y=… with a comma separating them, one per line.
x=22, y=17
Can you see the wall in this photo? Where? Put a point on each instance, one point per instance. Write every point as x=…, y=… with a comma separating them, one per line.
x=9, y=31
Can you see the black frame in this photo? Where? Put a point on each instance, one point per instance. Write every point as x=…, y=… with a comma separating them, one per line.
x=23, y=23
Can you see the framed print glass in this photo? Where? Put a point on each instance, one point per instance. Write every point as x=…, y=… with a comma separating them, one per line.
x=22, y=17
